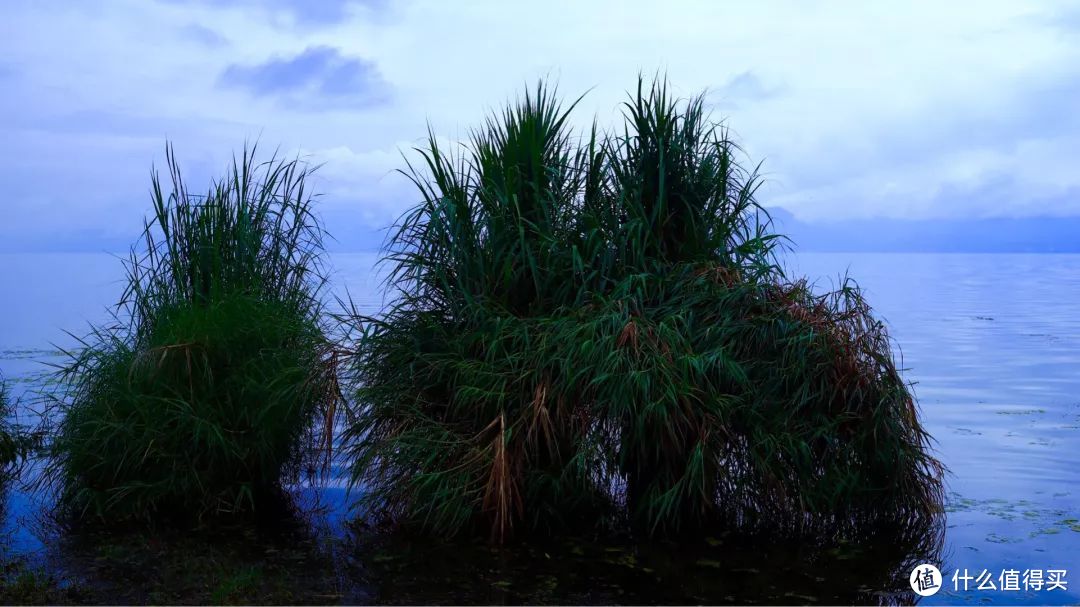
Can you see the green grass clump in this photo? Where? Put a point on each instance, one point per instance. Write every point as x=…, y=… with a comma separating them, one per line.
x=9, y=452
x=213, y=386
x=596, y=328
x=24, y=584
x=16, y=442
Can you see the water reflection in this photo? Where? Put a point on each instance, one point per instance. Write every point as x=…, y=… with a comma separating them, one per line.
x=301, y=559
x=717, y=570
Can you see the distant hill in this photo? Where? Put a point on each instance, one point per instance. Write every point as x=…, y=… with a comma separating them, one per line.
x=348, y=232
x=998, y=235
x=1031, y=235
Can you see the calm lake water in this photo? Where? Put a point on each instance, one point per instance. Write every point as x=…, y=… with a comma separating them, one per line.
x=991, y=341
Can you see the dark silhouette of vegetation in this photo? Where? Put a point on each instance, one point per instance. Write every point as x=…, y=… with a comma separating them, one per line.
x=17, y=443
x=585, y=330
x=214, y=385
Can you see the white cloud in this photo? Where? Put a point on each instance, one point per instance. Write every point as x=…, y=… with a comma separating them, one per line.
x=872, y=109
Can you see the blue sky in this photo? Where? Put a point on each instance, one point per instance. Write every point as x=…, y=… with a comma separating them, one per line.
x=888, y=111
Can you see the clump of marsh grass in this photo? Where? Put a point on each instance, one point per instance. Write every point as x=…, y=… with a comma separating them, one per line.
x=458, y=427
x=597, y=327
x=9, y=448
x=214, y=385
x=17, y=443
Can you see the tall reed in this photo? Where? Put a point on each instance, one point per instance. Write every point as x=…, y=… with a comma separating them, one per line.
x=593, y=329
x=17, y=443
x=214, y=384
x=459, y=429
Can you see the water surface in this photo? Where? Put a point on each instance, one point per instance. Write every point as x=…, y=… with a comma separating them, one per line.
x=992, y=342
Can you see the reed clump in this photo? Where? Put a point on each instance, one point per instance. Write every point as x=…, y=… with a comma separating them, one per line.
x=17, y=443
x=213, y=386
x=593, y=329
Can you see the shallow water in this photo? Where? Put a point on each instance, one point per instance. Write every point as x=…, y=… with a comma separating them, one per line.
x=992, y=342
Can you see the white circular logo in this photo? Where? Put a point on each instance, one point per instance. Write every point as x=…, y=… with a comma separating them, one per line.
x=926, y=580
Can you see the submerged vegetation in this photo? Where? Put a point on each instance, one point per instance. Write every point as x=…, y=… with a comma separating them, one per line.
x=590, y=330
x=212, y=387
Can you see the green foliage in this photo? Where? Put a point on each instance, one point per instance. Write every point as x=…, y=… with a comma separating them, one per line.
x=598, y=326
x=8, y=445
x=214, y=385
x=23, y=584
x=16, y=442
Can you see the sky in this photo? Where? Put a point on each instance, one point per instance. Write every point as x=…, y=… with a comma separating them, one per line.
x=901, y=111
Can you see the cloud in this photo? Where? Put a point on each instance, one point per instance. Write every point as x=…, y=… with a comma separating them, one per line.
x=305, y=13
x=1008, y=155
x=203, y=35
x=319, y=77
x=1066, y=20
x=741, y=88
x=857, y=109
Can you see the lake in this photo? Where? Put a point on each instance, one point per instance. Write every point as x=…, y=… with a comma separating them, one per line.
x=991, y=341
